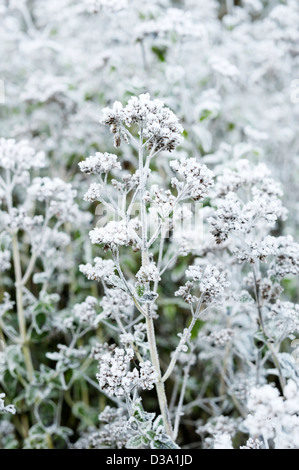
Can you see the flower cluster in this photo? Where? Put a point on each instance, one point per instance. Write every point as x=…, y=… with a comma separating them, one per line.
x=58, y=194
x=257, y=250
x=116, y=304
x=4, y=260
x=197, y=178
x=163, y=201
x=220, y=338
x=148, y=273
x=221, y=428
x=285, y=316
x=86, y=312
x=287, y=257
x=273, y=416
x=252, y=444
x=185, y=293
x=100, y=163
x=244, y=174
x=115, y=377
x=19, y=158
x=160, y=126
x=211, y=282
x=115, y=234
x=233, y=216
x=101, y=269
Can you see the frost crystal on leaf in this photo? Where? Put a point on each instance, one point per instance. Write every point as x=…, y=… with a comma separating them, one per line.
x=6, y=408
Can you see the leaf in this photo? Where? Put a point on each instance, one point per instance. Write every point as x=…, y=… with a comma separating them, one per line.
x=85, y=413
x=164, y=443
x=138, y=411
x=148, y=296
x=160, y=52
x=197, y=327
x=134, y=442
x=46, y=412
x=115, y=281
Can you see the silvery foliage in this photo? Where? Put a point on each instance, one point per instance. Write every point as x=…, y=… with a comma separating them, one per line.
x=222, y=298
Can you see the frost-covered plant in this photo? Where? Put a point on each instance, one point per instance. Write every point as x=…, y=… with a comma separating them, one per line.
x=223, y=298
x=158, y=130
x=232, y=286
x=35, y=213
x=8, y=408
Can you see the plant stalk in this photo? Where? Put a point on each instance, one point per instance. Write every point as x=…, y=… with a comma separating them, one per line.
x=160, y=388
x=20, y=309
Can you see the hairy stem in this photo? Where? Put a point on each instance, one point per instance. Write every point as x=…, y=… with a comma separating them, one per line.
x=262, y=325
x=20, y=309
x=179, y=413
x=159, y=384
x=176, y=354
x=160, y=388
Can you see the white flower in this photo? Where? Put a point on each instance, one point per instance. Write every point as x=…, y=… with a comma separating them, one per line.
x=286, y=257
x=102, y=269
x=86, y=312
x=148, y=273
x=198, y=178
x=274, y=416
x=100, y=163
x=148, y=376
x=4, y=260
x=115, y=377
x=19, y=156
x=59, y=195
x=185, y=292
x=163, y=201
x=212, y=281
x=160, y=126
x=252, y=444
x=194, y=272
x=223, y=441
x=93, y=193
x=114, y=234
x=221, y=337
x=116, y=304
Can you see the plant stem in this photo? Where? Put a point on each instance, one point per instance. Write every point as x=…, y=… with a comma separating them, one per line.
x=181, y=401
x=159, y=384
x=160, y=388
x=268, y=343
x=20, y=309
x=182, y=342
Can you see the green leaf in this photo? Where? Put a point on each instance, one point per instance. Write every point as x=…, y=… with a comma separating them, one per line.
x=197, y=327
x=46, y=411
x=160, y=52
x=134, y=443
